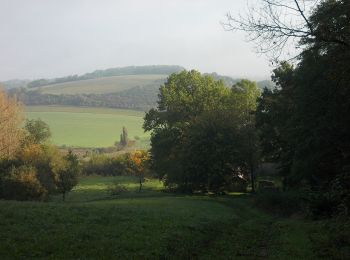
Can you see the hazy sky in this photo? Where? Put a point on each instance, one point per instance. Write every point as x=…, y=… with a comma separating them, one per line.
x=52, y=38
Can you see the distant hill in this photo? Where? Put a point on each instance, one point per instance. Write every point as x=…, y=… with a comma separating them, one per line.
x=131, y=70
x=229, y=81
x=14, y=83
x=265, y=84
x=137, y=91
x=104, y=85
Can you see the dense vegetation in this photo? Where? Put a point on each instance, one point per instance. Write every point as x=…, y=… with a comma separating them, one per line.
x=201, y=132
x=304, y=122
x=31, y=169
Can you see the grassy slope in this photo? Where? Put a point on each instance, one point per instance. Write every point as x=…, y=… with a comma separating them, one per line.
x=151, y=224
x=102, y=85
x=89, y=127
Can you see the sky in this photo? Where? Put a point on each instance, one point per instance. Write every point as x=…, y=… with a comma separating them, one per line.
x=54, y=38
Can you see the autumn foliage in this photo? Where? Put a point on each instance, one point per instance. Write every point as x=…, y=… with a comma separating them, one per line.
x=10, y=121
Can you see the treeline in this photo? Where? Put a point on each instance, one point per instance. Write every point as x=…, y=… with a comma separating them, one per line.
x=304, y=124
x=131, y=70
x=137, y=98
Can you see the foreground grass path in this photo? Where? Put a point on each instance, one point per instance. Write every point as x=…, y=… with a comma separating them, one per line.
x=152, y=224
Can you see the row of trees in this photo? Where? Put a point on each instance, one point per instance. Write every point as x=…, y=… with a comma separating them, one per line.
x=304, y=124
x=202, y=134
x=136, y=98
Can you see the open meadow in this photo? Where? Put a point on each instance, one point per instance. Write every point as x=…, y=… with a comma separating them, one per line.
x=90, y=127
x=150, y=224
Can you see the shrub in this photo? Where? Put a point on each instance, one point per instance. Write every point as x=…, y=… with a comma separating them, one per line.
x=67, y=177
x=282, y=203
x=116, y=189
x=237, y=184
x=126, y=164
x=333, y=240
x=46, y=159
x=22, y=184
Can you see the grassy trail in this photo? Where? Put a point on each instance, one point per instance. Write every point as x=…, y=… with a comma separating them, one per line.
x=151, y=224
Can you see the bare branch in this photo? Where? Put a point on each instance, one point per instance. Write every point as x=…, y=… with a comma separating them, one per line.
x=275, y=25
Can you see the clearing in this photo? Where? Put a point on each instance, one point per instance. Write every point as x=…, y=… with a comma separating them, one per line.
x=151, y=224
x=90, y=127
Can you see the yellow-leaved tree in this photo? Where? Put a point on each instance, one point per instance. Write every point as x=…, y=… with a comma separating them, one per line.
x=10, y=121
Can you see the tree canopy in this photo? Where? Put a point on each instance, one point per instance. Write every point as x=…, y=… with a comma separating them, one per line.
x=198, y=131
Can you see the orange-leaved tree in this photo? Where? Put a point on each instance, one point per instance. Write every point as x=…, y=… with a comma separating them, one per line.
x=10, y=122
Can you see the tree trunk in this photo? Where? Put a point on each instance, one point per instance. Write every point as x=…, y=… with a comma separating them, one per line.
x=64, y=196
x=252, y=176
x=140, y=183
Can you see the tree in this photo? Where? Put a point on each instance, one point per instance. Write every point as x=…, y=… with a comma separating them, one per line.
x=67, y=177
x=124, y=140
x=197, y=131
x=304, y=123
x=10, y=121
x=37, y=131
x=247, y=93
x=137, y=165
x=276, y=26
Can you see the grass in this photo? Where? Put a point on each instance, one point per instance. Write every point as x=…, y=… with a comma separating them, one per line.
x=102, y=85
x=90, y=127
x=149, y=224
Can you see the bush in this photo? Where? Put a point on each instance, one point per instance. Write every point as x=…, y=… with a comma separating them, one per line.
x=125, y=164
x=104, y=165
x=333, y=241
x=281, y=203
x=116, y=189
x=237, y=184
x=46, y=159
x=22, y=184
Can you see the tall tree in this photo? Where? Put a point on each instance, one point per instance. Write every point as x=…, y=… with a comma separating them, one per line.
x=304, y=122
x=10, y=122
x=198, y=129
x=67, y=176
x=37, y=131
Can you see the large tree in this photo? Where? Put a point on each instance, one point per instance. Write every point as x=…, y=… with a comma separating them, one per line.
x=10, y=122
x=198, y=131
x=304, y=122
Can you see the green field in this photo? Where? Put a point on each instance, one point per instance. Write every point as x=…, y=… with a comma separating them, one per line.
x=103, y=85
x=151, y=224
x=89, y=127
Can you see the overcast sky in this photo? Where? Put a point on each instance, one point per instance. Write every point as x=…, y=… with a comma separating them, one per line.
x=52, y=38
